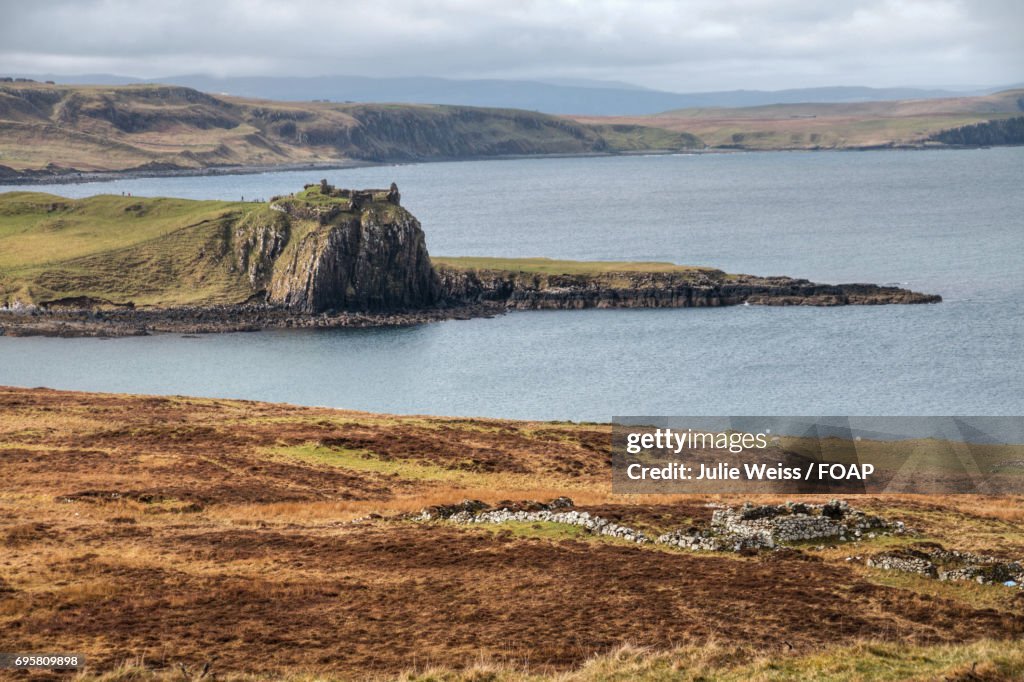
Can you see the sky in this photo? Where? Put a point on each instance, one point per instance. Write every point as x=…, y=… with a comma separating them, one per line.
x=683, y=46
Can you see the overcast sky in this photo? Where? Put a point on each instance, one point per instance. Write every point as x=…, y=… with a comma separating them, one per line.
x=681, y=46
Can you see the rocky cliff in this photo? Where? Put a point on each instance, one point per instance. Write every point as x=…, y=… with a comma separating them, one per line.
x=315, y=251
x=388, y=133
x=362, y=251
x=684, y=289
x=1008, y=131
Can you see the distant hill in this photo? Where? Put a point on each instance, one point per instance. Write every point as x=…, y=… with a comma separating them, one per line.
x=584, y=97
x=855, y=125
x=49, y=129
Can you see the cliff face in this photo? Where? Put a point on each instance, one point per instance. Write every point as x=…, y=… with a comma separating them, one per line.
x=422, y=133
x=1009, y=131
x=152, y=129
x=525, y=291
x=366, y=255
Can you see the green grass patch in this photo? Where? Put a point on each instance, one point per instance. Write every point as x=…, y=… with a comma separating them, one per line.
x=38, y=228
x=989, y=660
x=405, y=469
x=549, y=266
x=545, y=530
x=154, y=251
x=640, y=138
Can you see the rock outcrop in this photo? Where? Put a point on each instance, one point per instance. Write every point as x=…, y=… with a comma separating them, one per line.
x=689, y=289
x=363, y=252
x=1008, y=131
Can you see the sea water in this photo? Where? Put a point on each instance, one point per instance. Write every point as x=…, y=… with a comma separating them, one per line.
x=942, y=221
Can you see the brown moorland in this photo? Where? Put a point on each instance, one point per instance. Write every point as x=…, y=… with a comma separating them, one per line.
x=151, y=533
x=862, y=125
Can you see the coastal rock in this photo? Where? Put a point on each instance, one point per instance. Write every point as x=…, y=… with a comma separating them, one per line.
x=689, y=289
x=366, y=254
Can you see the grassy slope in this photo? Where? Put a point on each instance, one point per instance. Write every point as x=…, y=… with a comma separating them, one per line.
x=97, y=128
x=118, y=249
x=149, y=531
x=799, y=126
x=165, y=252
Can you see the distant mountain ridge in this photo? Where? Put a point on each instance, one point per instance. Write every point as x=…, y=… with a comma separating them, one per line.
x=49, y=130
x=581, y=97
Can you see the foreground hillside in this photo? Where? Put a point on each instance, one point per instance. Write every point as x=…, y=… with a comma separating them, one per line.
x=157, y=536
x=51, y=129
x=971, y=121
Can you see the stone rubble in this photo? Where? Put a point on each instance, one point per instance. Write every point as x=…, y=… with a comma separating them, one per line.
x=732, y=529
x=474, y=511
x=757, y=527
x=935, y=561
x=753, y=527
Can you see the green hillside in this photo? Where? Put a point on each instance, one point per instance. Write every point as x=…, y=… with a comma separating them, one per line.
x=120, y=249
x=165, y=252
x=48, y=128
x=548, y=266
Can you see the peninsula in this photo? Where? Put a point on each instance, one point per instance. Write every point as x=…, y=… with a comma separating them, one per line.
x=321, y=257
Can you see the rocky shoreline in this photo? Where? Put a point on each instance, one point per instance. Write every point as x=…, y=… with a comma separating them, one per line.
x=84, y=322
x=327, y=257
x=467, y=295
x=73, y=176
x=688, y=289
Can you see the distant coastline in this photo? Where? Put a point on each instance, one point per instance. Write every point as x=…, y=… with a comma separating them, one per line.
x=74, y=177
x=68, y=134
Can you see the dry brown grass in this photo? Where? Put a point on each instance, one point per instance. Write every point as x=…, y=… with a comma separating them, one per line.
x=160, y=529
x=827, y=126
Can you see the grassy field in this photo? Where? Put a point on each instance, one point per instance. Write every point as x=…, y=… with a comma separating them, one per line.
x=37, y=229
x=548, y=266
x=150, y=532
x=161, y=252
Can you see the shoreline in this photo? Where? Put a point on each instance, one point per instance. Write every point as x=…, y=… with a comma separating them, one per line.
x=75, y=323
x=128, y=321
x=74, y=177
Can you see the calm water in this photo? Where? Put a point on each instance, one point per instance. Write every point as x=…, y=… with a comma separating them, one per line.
x=948, y=222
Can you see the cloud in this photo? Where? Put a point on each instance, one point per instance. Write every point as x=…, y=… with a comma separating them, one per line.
x=684, y=46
